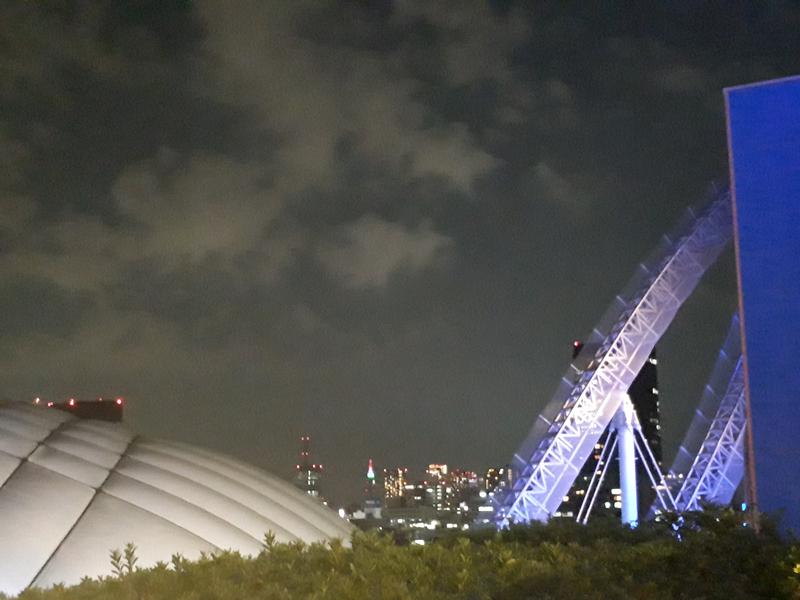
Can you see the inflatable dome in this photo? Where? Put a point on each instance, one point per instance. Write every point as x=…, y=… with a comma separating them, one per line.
x=72, y=490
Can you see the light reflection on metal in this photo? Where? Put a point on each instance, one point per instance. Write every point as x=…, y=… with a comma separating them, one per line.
x=564, y=434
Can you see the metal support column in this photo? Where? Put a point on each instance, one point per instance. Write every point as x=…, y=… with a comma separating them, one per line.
x=623, y=424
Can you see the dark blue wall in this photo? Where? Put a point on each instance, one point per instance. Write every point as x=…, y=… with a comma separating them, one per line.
x=764, y=137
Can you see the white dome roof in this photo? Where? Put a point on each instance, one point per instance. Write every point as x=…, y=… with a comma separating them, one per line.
x=72, y=490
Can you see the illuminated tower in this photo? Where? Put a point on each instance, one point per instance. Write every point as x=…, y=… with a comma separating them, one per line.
x=308, y=473
x=372, y=503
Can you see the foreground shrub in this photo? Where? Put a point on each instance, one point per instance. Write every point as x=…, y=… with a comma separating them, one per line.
x=715, y=557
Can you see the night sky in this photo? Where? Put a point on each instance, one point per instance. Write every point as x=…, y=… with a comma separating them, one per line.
x=378, y=223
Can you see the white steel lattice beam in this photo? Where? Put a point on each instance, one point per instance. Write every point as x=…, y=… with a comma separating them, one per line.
x=562, y=438
x=718, y=465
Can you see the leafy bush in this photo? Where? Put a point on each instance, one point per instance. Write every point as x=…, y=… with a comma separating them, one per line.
x=715, y=557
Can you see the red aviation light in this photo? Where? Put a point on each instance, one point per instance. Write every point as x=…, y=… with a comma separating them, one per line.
x=37, y=400
x=119, y=401
x=71, y=402
x=49, y=404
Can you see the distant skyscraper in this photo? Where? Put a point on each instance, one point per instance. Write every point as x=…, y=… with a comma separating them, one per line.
x=394, y=486
x=644, y=395
x=497, y=478
x=436, y=471
x=308, y=473
x=441, y=489
x=418, y=494
x=446, y=498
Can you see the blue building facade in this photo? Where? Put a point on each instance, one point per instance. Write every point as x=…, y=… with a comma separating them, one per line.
x=764, y=153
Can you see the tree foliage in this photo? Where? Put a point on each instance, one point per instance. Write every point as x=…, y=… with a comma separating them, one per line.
x=713, y=557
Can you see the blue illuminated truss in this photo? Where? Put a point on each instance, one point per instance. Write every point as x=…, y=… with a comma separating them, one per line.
x=709, y=465
x=564, y=434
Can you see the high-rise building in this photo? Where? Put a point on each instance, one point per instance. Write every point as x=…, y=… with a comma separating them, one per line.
x=436, y=471
x=441, y=487
x=482, y=505
x=418, y=494
x=498, y=478
x=645, y=398
x=394, y=486
x=465, y=486
x=308, y=474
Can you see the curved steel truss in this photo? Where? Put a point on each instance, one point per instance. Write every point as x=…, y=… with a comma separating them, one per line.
x=565, y=433
x=710, y=462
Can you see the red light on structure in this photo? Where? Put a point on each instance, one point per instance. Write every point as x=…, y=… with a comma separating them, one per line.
x=119, y=401
x=37, y=400
x=71, y=402
x=576, y=343
x=49, y=404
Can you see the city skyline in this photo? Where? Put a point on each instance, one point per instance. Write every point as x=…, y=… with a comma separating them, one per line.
x=377, y=225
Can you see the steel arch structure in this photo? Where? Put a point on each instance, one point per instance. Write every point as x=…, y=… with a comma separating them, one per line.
x=565, y=433
x=710, y=472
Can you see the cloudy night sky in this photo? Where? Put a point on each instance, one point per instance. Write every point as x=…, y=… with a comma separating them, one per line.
x=378, y=223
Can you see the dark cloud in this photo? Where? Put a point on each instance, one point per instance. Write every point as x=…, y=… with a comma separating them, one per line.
x=379, y=223
x=33, y=307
